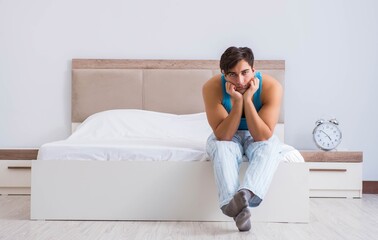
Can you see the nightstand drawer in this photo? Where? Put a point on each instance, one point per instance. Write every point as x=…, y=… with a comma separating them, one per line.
x=15, y=173
x=328, y=179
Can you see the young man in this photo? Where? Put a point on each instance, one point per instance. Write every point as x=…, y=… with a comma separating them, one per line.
x=242, y=108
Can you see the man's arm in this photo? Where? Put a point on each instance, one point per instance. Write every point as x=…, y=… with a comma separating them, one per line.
x=224, y=124
x=261, y=124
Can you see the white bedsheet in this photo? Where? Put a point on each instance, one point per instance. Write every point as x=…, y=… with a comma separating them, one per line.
x=138, y=135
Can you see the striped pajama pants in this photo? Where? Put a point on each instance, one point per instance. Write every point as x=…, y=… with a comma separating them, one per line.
x=226, y=156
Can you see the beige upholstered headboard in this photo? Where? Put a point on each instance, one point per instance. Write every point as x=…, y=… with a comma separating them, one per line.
x=172, y=86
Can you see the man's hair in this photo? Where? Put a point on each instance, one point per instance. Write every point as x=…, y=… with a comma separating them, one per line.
x=233, y=55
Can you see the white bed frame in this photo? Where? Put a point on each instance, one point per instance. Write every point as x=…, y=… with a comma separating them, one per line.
x=172, y=191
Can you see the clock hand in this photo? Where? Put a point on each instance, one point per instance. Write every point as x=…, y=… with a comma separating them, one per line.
x=326, y=134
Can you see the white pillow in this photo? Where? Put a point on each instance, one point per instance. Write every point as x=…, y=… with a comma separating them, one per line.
x=132, y=123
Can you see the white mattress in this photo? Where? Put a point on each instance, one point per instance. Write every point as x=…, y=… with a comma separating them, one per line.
x=131, y=150
x=138, y=135
x=139, y=150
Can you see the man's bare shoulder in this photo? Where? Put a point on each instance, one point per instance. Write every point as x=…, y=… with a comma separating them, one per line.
x=271, y=87
x=213, y=85
x=270, y=83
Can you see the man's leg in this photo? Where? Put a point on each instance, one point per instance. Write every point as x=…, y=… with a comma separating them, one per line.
x=226, y=157
x=264, y=158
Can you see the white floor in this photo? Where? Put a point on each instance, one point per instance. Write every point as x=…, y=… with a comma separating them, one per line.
x=329, y=219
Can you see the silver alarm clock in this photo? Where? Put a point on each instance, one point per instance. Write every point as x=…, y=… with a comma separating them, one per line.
x=327, y=135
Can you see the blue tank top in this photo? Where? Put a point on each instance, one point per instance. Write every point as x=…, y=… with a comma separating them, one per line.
x=226, y=101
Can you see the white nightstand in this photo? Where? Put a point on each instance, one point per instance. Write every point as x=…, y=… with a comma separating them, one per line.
x=334, y=174
x=15, y=170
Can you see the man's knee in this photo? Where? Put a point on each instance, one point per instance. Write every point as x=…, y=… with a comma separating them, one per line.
x=250, y=143
x=215, y=146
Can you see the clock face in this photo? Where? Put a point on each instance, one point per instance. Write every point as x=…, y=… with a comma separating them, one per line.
x=327, y=136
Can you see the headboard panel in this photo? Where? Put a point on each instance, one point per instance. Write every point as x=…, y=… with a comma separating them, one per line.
x=172, y=86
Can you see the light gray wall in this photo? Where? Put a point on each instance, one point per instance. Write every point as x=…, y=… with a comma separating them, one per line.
x=330, y=48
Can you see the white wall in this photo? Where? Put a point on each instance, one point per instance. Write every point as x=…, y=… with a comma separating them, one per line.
x=330, y=48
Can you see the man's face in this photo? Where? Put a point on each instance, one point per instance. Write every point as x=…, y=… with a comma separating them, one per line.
x=241, y=76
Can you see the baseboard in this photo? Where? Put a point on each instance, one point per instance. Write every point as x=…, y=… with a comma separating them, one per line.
x=370, y=187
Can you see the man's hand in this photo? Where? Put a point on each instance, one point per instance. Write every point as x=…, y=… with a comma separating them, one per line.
x=253, y=87
x=231, y=89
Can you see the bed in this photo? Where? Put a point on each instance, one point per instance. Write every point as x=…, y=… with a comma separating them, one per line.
x=158, y=170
